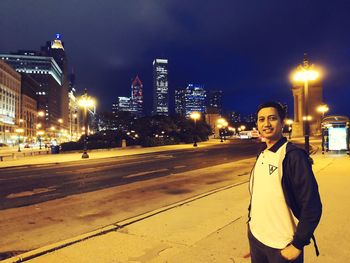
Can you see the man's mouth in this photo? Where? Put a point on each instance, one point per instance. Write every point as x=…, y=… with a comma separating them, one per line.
x=267, y=130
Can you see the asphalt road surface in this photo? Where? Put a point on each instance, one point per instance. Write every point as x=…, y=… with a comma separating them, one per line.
x=42, y=204
x=21, y=186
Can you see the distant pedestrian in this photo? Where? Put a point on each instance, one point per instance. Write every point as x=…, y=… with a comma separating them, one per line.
x=285, y=206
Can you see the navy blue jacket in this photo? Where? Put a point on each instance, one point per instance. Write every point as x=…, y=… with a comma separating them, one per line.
x=301, y=192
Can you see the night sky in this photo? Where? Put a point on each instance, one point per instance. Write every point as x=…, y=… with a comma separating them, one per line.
x=245, y=48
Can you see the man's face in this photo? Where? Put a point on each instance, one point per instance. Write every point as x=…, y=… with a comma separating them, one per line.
x=269, y=124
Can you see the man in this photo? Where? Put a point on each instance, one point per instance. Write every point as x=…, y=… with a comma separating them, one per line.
x=285, y=206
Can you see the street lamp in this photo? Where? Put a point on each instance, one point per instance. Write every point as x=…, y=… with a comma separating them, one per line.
x=19, y=131
x=195, y=116
x=322, y=109
x=86, y=102
x=220, y=131
x=304, y=74
x=222, y=124
x=289, y=122
x=40, y=133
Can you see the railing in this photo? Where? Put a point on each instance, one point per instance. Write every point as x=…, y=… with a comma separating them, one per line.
x=15, y=155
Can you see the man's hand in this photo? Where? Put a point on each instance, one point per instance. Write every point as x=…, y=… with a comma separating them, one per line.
x=290, y=252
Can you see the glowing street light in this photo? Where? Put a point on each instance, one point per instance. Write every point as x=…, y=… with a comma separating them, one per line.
x=195, y=116
x=323, y=109
x=86, y=102
x=304, y=74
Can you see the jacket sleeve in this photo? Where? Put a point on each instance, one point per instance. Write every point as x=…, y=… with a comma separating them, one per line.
x=305, y=195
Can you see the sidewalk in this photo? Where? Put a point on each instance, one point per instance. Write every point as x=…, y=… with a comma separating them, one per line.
x=213, y=228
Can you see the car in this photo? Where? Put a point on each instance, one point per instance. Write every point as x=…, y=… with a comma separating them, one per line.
x=253, y=134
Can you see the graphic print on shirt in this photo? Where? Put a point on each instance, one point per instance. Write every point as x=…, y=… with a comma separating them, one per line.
x=272, y=168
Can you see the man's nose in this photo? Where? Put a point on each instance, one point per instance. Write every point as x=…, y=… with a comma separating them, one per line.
x=267, y=122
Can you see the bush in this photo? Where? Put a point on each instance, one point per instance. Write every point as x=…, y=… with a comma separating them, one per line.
x=71, y=146
x=158, y=141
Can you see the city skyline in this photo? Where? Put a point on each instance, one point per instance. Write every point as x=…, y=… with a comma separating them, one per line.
x=245, y=50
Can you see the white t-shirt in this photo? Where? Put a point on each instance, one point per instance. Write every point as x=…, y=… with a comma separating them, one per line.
x=272, y=222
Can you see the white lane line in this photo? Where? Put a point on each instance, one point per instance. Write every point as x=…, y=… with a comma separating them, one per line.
x=30, y=193
x=94, y=169
x=179, y=166
x=144, y=173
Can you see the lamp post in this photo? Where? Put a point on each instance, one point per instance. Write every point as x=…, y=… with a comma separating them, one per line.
x=304, y=74
x=222, y=124
x=86, y=102
x=220, y=131
x=322, y=109
x=19, y=131
x=195, y=116
x=40, y=133
x=289, y=122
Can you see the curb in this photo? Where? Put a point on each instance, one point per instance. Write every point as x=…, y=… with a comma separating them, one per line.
x=110, y=228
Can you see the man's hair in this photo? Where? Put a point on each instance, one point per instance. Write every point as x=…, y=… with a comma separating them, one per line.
x=271, y=104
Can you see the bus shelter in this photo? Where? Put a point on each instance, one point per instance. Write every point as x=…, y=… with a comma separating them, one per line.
x=335, y=134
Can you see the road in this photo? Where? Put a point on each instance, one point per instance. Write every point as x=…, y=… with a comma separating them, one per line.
x=43, y=204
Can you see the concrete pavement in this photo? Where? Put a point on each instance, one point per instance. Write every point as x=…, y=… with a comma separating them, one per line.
x=211, y=227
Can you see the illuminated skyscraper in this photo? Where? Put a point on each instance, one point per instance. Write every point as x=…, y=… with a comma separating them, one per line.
x=190, y=99
x=10, y=100
x=137, y=97
x=124, y=104
x=48, y=74
x=160, y=87
x=55, y=49
x=215, y=101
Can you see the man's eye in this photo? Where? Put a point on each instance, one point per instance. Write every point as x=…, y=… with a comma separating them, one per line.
x=272, y=118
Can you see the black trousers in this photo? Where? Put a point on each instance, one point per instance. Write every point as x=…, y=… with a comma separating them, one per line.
x=261, y=253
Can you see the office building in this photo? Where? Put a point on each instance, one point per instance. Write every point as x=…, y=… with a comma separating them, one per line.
x=55, y=49
x=48, y=74
x=10, y=90
x=160, y=87
x=137, y=97
x=29, y=108
x=235, y=117
x=124, y=104
x=214, y=101
x=191, y=99
x=133, y=104
x=250, y=118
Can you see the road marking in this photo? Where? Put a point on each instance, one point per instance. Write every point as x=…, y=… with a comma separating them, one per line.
x=179, y=166
x=165, y=156
x=30, y=193
x=144, y=173
x=95, y=169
